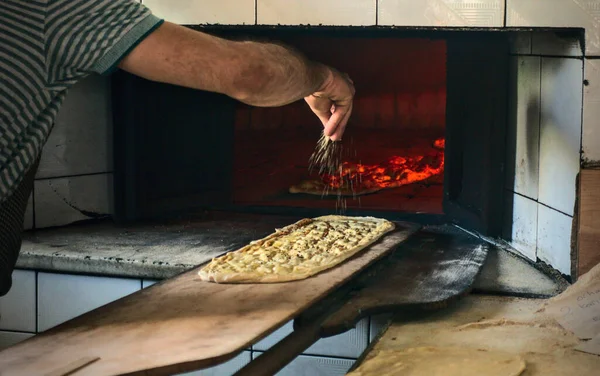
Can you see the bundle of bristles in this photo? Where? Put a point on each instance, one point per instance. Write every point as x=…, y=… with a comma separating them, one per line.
x=327, y=158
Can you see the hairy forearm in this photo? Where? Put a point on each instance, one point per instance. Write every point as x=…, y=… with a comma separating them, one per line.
x=259, y=74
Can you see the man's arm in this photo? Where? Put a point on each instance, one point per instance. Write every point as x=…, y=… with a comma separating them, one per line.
x=259, y=74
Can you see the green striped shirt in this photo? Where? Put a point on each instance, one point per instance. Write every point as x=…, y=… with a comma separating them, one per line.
x=46, y=46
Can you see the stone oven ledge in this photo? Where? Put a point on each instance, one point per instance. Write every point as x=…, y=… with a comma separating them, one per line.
x=164, y=250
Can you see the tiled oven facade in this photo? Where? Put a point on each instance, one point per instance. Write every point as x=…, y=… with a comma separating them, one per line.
x=546, y=103
x=552, y=105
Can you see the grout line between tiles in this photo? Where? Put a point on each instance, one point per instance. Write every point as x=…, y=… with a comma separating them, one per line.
x=317, y=356
x=530, y=42
x=74, y=175
x=556, y=210
x=37, y=325
x=33, y=205
x=548, y=56
x=582, y=107
x=256, y=12
x=539, y=142
x=17, y=331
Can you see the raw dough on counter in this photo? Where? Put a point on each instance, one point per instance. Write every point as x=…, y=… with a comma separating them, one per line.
x=441, y=361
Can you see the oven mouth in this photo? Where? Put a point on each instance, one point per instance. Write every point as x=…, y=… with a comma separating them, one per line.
x=446, y=85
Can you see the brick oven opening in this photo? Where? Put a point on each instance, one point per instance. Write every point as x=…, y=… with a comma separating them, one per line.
x=428, y=128
x=392, y=151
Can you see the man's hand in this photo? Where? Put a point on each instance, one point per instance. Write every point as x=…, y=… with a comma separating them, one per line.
x=332, y=103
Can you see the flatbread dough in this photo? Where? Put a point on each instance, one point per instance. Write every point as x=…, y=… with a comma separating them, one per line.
x=297, y=251
x=441, y=361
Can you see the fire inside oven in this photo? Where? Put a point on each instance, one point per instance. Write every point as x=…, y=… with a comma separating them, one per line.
x=393, y=149
x=427, y=139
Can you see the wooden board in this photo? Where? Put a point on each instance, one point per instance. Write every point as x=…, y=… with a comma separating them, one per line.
x=588, y=232
x=434, y=267
x=182, y=324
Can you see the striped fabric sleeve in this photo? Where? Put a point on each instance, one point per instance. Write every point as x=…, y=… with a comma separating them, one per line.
x=92, y=36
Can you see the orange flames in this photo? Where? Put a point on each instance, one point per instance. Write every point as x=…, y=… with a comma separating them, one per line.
x=394, y=172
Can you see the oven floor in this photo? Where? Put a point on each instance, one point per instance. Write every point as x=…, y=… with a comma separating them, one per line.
x=264, y=171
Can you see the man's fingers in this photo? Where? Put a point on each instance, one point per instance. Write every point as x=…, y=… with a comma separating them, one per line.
x=334, y=128
x=333, y=104
x=339, y=132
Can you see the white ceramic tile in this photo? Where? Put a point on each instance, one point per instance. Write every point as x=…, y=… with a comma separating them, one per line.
x=551, y=44
x=524, y=226
x=315, y=12
x=28, y=219
x=8, y=339
x=560, y=132
x=524, y=127
x=194, y=12
x=62, y=201
x=62, y=297
x=558, y=13
x=148, y=282
x=349, y=344
x=81, y=141
x=226, y=369
x=554, y=239
x=521, y=43
x=378, y=323
x=17, y=308
x=305, y=365
x=591, y=112
x=479, y=13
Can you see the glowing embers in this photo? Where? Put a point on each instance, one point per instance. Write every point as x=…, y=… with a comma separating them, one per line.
x=358, y=179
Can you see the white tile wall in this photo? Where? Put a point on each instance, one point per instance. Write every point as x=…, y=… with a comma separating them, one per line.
x=316, y=12
x=17, y=308
x=79, y=145
x=591, y=111
x=378, y=323
x=8, y=339
x=62, y=201
x=81, y=140
x=228, y=368
x=148, y=282
x=554, y=238
x=560, y=131
x=480, y=13
x=525, y=130
x=194, y=12
x=349, y=344
x=62, y=297
x=305, y=365
x=550, y=44
x=525, y=226
x=559, y=13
